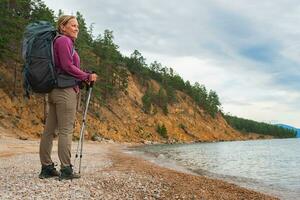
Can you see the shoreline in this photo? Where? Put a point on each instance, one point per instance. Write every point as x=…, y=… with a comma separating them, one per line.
x=108, y=173
x=164, y=159
x=189, y=183
x=167, y=162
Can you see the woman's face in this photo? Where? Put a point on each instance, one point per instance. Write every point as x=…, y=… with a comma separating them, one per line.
x=71, y=29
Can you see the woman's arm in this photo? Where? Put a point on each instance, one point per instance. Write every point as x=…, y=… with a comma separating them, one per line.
x=63, y=48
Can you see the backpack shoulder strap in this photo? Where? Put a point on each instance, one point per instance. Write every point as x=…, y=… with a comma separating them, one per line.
x=73, y=52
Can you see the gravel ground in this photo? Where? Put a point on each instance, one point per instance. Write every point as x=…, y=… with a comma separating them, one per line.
x=19, y=173
x=107, y=173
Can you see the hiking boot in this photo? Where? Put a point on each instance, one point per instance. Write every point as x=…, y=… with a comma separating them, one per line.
x=67, y=173
x=48, y=171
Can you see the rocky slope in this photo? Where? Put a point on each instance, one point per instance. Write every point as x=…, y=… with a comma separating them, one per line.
x=121, y=119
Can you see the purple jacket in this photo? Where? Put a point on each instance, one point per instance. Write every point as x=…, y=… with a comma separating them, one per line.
x=63, y=50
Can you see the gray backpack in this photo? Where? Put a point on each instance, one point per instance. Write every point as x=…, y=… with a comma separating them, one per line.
x=39, y=70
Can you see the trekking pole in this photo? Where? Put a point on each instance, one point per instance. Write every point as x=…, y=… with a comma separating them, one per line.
x=81, y=138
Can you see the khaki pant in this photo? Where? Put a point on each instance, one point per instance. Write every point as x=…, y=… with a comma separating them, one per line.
x=61, y=116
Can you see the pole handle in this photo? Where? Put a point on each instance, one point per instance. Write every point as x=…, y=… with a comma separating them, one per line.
x=92, y=84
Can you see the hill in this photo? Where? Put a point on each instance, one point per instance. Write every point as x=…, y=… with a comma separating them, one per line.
x=120, y=119
x=291, y=128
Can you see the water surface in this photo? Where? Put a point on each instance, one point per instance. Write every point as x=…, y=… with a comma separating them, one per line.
x=269, y=166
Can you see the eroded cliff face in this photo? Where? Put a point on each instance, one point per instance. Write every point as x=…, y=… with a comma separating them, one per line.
x=122, y=119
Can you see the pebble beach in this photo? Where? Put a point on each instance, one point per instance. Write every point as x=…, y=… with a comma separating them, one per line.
x=108, y=172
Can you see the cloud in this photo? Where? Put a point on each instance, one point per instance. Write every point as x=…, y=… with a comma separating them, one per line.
x=261, y=53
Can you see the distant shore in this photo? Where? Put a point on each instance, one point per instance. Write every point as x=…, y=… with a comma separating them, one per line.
x=108, y=173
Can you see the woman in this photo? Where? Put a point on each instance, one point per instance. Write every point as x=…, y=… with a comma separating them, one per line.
x=62, y=102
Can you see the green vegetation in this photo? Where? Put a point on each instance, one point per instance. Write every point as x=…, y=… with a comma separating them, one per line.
x=160, y=99
x=14, y=16
x=182, y=126
x=250, y=126
x=171, y=82
x=162, y=130
x=147, y=100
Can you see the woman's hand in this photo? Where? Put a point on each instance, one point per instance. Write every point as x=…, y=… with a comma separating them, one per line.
x=93, y=77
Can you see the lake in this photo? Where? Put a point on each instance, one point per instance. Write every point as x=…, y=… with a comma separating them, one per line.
x=268, y=166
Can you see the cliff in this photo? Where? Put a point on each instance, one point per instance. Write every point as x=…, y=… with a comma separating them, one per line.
x=121, y=119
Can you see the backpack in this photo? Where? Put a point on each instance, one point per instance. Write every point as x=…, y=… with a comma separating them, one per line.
x=39, y=73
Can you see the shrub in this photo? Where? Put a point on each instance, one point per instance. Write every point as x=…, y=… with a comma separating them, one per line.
x=162, y=130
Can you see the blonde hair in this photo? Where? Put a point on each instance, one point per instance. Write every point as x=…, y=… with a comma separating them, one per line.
x=63, y=20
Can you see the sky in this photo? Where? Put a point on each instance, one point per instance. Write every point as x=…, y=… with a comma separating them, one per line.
x=246, y=51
